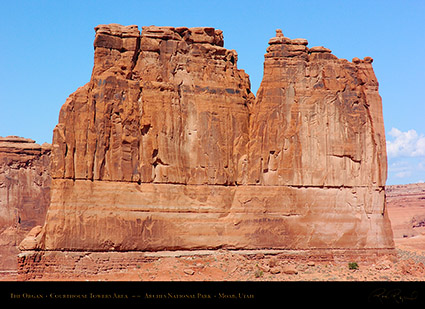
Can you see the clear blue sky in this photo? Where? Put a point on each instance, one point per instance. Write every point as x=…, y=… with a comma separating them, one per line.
x=47, y=53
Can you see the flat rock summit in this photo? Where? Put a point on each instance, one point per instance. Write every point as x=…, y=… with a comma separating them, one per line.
x=167, y=148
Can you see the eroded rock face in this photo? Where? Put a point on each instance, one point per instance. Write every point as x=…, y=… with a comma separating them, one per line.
x=166, y=148
x=169, y=106
x=24, y=192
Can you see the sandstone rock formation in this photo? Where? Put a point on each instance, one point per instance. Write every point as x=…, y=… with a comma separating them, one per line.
x=317, y=125
x=317, y=120
x=168, y=106
x=166, y=148
x=24, y=193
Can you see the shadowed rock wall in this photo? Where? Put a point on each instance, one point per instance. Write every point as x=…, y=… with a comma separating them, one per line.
x=24, y=193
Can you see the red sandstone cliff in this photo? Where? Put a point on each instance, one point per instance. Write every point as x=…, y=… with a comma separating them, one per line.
x=166, y=148
x=24, y=193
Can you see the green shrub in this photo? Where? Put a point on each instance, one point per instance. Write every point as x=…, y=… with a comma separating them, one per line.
x=353, y=265
x=258, y=273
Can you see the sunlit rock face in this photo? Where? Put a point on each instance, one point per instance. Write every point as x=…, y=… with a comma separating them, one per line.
x=166, y=148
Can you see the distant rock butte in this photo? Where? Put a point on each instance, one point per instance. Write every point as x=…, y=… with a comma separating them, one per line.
x=166, y=148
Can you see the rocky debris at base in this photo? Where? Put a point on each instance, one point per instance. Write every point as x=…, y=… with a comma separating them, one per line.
x=223, y=265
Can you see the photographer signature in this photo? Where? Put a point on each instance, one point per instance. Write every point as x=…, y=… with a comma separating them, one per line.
x=383, y=295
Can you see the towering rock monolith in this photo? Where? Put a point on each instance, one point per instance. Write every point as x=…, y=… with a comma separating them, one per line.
x=166, y=148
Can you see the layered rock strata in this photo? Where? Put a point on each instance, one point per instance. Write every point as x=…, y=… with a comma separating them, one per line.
x=24, y=193
x=166, y=148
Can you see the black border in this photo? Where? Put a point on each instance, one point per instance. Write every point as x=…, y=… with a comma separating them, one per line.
x=177, y=293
